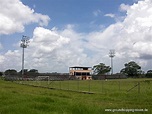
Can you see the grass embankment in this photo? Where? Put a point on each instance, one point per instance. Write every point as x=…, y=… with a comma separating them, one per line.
x=22, y=99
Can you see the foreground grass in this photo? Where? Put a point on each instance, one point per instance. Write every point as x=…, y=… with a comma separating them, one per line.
x=22, y=99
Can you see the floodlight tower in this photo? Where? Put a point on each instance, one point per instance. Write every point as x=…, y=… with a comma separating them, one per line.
x=24, y=44
x=111, y=55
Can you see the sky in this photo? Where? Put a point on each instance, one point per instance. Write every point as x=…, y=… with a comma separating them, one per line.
x=65, y=33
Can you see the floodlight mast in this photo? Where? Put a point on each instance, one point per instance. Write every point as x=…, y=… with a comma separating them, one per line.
x=111, y=55
x=24, y=44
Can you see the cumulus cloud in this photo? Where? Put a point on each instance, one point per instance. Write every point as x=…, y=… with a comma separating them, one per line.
x=56, y=50
x=10, y=60
x=130, y=38
x=46, y=41
x=124, y=7
x=14, y=15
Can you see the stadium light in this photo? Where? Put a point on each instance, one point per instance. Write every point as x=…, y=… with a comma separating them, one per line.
x=111, y=55
x=24, y=44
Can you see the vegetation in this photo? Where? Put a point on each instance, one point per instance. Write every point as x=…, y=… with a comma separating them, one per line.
x=132, y=69
x=1, y=73
x=22, y=99
x=32, y=73
x=101, y=69
x=10, y=72
x=149, y=74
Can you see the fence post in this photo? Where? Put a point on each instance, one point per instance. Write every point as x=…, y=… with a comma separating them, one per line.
x=48, y=81
x=60, y=84
x=119, y=85
x=89, y=85
x=78, y=84
x=52, y=84
x=138, y=87
x=102, y=86
x=68, y=84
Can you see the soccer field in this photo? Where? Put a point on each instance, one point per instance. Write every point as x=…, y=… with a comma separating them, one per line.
x=22, y=99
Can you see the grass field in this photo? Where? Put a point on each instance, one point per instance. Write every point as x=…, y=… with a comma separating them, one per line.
x=23, y=99
x=98, y=86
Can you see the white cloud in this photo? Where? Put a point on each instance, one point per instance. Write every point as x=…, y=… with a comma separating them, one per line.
x=130, y=38
x=110, y=15
x=124, y=7
x=2, y=58
x=46, y=41
x=116, y=17
x=10, y=60
x=14, y=15
x=56, y=50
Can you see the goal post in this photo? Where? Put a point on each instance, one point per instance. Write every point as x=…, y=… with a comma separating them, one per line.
x=43, y=78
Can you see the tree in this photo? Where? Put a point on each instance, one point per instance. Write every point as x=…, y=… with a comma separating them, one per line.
x=101, y=69
x=149, y=74
x=132, y=69
x=32, y=73
x=10, y=72
x=1, y=73
x=25, y=71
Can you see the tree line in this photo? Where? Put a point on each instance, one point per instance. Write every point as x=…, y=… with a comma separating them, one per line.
x=13, y=72
x=131, y=69
x=28, y=73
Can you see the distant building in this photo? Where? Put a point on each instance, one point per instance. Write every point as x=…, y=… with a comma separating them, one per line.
x=81, y=73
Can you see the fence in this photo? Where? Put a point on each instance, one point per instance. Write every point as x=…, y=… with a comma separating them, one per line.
x=139, y=86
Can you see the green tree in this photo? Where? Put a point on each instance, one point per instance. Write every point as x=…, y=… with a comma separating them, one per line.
x=1, y=73
x=132, y=69
x=10, y=72
x=25, y=71
x=33, y=73
x=149, y=74
x=101, y=69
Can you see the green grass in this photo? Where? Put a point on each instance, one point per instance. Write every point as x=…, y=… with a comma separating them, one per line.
x=23, y=99
x=99, y=86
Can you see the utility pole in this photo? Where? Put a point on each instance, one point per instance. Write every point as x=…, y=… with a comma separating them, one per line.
x=111, y=55
x=24, y=44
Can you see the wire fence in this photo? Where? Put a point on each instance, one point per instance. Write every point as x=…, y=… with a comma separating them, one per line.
x=140, y=86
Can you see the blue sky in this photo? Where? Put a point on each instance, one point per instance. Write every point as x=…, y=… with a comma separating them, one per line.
x=66, y=33
x=78, y=12
x=86, y=15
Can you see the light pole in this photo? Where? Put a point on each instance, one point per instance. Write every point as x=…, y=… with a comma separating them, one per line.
x=24, y=44
x=111, y=55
